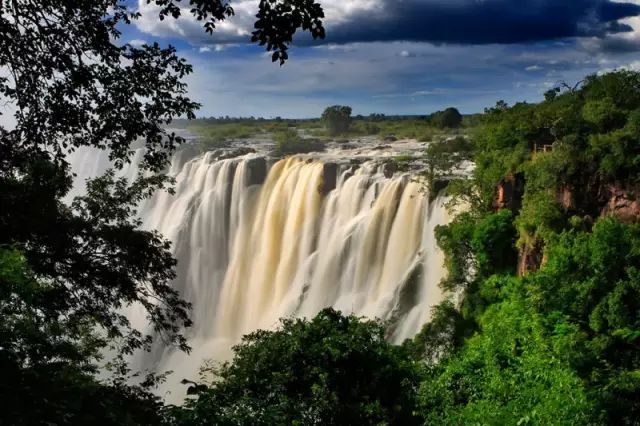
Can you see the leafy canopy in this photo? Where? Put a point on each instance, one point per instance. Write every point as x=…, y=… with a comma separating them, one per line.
x=337, y=118
x=333, y=370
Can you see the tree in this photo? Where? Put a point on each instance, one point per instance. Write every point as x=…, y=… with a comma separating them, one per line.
x=68, y=270
x=337, y=119
x=450, y=118
x=442, y=157
x=333, y=369
x=506, y=374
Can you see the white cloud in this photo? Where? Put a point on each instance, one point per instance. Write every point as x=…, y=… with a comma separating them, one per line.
x=136, y=42
x=533, y=68
x=214, y=47
x=424, y=93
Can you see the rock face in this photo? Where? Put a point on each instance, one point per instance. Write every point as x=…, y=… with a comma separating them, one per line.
x=329, y=177
x=437, y=186
x=257, y=170
x=225, y=154
x=622, y=203
x=389, y=168
x=509, y=191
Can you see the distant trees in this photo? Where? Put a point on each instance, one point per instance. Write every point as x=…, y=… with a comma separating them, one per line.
x=337, y=118
x=450, y=118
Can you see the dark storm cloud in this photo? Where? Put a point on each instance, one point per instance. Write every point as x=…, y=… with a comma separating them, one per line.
x=484, y=21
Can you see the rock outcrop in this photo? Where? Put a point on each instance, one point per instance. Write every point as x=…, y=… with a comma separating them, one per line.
x=622, y=203
x=257, y=170
x=530, y=258
x=509, y=192
x=329, y=177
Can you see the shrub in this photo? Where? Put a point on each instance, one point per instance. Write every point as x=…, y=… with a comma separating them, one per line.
x=289, y=142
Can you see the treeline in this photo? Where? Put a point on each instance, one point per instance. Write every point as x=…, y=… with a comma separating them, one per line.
x=373, y=117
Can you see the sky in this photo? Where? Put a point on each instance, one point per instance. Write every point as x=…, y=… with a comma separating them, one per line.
x=400, y=56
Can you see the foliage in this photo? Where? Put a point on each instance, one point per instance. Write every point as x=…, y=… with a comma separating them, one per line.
x=46, y=359
x=450, y=118
x=442, y=336
x=289, y=142
x=455, y=241
x=559, y=344
x=333, y=369
x=442, y=157
x=493, y=244
x=589, y=289
x=506, y=374
x=219, y=135
x=337, y=118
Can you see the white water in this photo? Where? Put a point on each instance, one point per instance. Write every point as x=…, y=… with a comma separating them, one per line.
x=256, y=242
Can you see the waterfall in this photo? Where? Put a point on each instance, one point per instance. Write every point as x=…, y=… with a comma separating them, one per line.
x=258, y=240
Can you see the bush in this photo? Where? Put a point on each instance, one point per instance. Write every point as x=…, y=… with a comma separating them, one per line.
x=450, y=118
x=331, y=370
x=337, y=119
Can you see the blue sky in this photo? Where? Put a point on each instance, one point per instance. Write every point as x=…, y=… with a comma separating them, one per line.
x=402, y=56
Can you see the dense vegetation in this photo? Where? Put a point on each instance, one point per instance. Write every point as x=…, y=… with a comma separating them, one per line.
x=331, y=370
x=449, y=118
x=558, y=342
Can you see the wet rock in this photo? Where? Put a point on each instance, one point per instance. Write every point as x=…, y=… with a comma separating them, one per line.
x=389, y=168
x=390, y=138
x=329, y=177
x=380, y=147
x=437, y=186
x=257, y=170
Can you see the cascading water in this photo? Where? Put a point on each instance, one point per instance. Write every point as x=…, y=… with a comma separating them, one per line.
x=257, y=241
